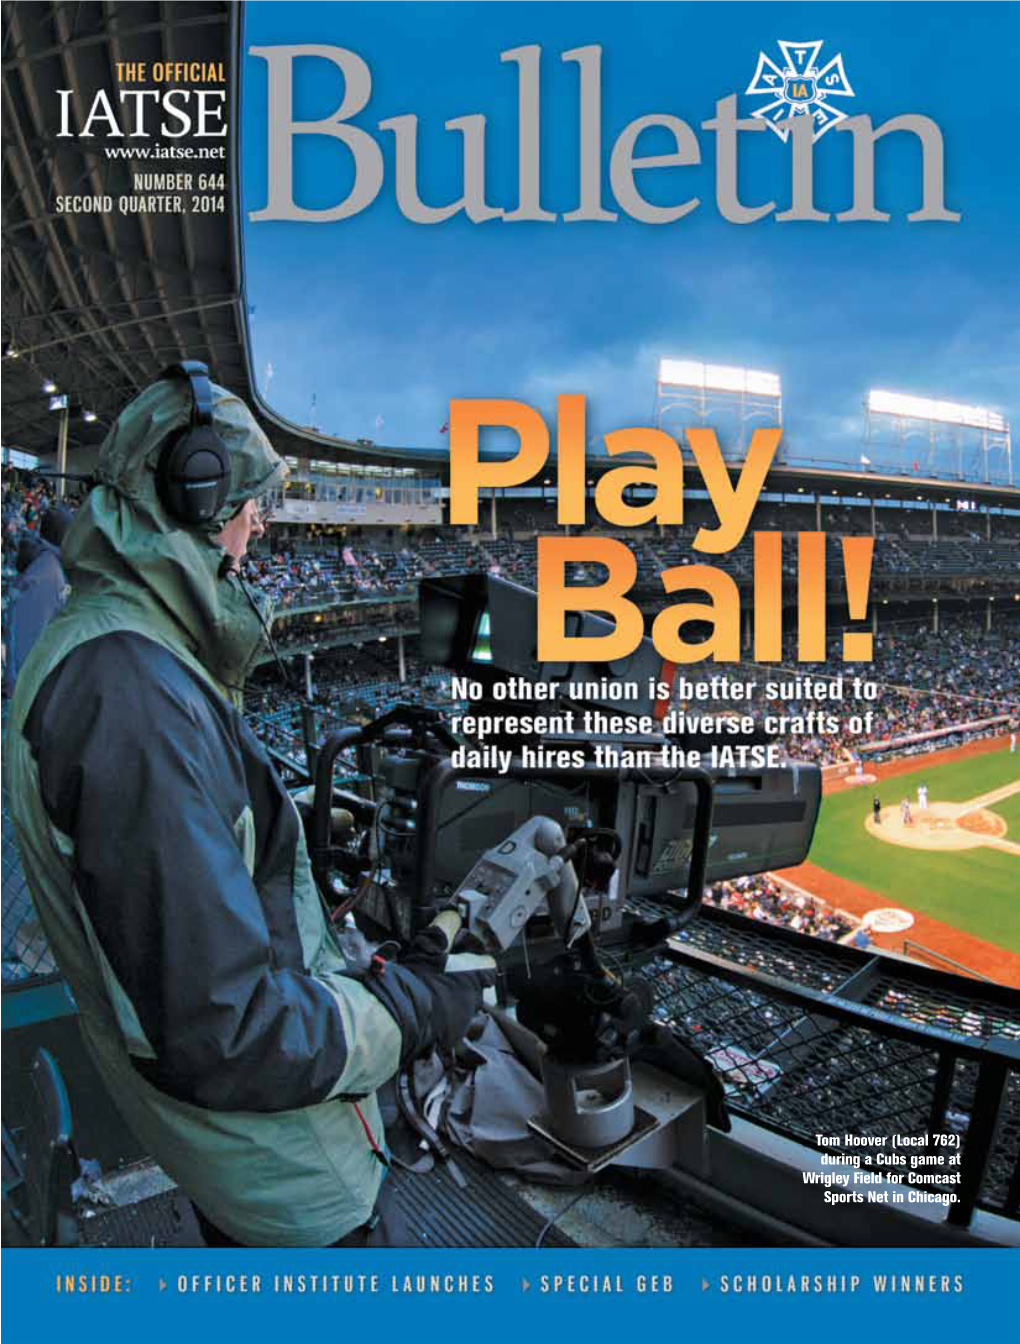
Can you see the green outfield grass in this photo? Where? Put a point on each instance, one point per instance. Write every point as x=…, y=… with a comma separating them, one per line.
x=977, y=890
x=1009, y=811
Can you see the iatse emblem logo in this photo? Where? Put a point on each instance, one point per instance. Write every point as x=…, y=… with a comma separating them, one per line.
x=597, y=173
x=800, y=89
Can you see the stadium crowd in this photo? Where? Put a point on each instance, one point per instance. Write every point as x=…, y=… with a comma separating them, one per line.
x=364, y=565
x=26, y=498
x=910, y=666
x=763, y=897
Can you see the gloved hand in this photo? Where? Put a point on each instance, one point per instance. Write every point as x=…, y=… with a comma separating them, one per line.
x=432, y=1006
x=428, y=949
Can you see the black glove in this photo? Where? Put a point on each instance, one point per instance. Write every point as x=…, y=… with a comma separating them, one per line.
x=427, y=949
x=431, y=1006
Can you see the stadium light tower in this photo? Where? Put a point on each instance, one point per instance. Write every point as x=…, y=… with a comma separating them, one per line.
x=694, y=390
x=944, y=438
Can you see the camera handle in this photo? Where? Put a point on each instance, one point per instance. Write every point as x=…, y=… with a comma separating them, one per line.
x=417, y=717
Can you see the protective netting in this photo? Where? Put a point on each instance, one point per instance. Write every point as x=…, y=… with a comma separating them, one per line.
x=26, y=951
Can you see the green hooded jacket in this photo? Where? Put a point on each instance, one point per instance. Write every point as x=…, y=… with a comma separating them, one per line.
x=168, y=865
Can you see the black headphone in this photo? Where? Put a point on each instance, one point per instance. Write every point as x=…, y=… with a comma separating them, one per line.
x=193, y=471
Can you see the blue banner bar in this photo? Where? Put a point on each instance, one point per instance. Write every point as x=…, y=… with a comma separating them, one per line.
x=742, y=1293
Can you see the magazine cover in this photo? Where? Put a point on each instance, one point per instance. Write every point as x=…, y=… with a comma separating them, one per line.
x=511, y=666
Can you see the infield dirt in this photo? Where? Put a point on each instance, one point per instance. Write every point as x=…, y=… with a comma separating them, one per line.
x=988, y=958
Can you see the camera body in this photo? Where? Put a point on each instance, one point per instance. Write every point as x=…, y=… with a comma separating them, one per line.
x=658, y=834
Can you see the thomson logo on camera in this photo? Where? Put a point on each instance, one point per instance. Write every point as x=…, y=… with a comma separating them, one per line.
x=803, y=88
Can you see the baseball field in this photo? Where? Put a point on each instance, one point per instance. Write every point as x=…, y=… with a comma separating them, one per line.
x=955, y=864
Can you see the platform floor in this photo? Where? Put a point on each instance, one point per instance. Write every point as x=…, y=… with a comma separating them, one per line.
x=620, y=1209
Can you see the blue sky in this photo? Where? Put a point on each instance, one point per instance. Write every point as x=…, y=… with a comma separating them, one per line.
x=382, y=321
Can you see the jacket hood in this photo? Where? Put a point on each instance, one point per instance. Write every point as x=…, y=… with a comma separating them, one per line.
x=125, y=550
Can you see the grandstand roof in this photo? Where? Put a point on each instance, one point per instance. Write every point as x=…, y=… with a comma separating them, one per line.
x=100, y=303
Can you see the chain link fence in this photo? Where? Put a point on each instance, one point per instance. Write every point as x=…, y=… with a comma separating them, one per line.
x=26, y=953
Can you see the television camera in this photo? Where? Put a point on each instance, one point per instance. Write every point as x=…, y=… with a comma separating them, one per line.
x=563, y=873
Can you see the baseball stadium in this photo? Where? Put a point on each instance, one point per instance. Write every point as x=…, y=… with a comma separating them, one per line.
x=872, y=985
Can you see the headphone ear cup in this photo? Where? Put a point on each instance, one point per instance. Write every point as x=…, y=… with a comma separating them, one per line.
x=193, y=475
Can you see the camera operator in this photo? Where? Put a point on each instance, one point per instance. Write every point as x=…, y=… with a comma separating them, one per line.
x=167, y=861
